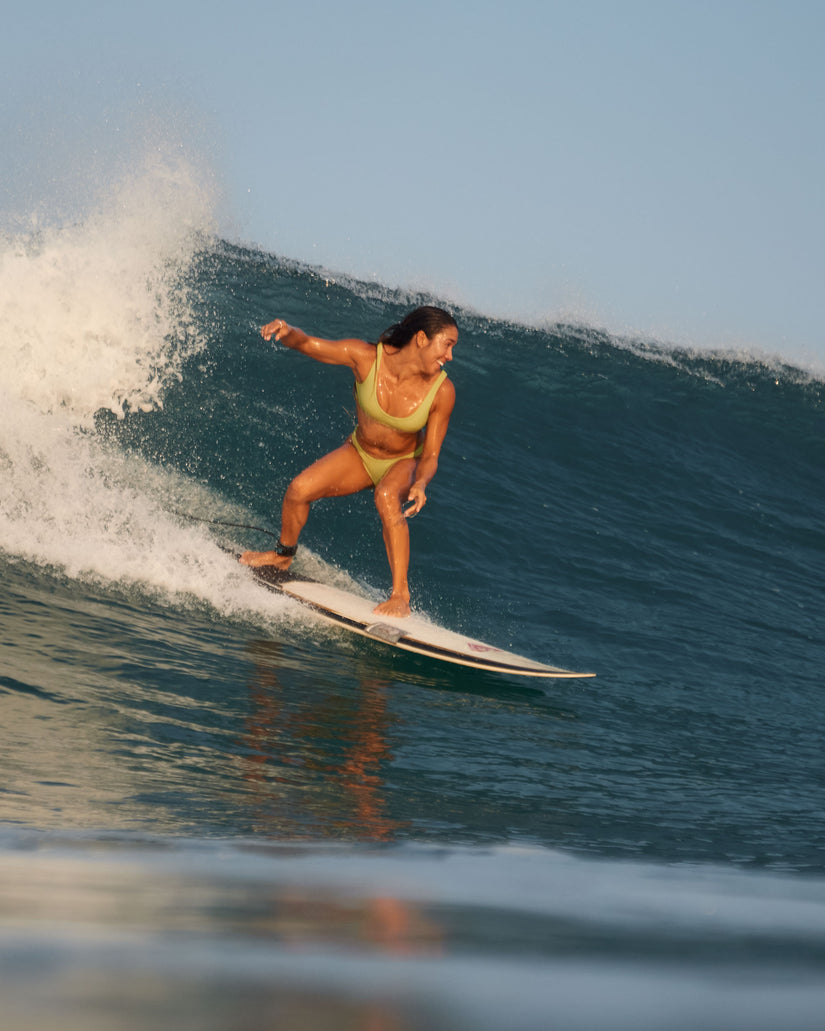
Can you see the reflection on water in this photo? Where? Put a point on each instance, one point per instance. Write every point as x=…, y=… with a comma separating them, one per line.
x=314, y=760
x=233, y=846
x=101, y=931
x=137, y=934
x=67, y=892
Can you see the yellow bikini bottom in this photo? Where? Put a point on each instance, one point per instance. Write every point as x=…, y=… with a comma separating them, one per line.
x=377, y=468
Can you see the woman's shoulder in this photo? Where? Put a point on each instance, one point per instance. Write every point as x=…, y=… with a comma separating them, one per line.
x=362, y=354
x=445, y=395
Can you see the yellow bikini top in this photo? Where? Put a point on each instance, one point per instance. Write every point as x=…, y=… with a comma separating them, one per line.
x=368, y=402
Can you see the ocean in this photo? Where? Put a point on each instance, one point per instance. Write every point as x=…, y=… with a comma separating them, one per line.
x=218, y=812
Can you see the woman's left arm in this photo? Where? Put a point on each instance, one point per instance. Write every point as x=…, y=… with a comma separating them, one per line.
x=437, y=424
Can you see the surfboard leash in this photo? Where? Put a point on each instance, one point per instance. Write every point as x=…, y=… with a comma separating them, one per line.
x=223, y=522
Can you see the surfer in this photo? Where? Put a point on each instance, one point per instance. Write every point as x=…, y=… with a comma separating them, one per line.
x=404, y=401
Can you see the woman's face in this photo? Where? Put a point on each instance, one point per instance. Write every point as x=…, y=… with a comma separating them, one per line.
x=440, y=345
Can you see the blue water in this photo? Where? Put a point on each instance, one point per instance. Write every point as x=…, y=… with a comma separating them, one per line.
x=217, y=812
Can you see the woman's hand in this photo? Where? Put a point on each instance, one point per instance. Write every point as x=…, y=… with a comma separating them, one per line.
x=277, y=328
x=416, y=500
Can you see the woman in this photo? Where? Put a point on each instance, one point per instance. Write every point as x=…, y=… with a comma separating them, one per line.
x=404, y=405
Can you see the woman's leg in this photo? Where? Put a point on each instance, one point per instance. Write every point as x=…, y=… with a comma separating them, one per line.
x=336, y=474
x=390, y=495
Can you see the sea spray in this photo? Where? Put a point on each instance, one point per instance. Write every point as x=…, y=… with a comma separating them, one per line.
x=97, y=316
x=99, y=515
x=97, y=313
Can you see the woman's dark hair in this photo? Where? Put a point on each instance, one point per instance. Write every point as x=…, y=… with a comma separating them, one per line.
x=427, y=318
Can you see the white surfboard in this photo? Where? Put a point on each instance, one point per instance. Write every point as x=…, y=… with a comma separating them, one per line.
x=411, y=633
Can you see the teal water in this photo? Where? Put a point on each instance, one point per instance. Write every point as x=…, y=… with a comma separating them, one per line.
x=216, y=812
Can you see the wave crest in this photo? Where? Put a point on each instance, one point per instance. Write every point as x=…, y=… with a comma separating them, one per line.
x=97, y=314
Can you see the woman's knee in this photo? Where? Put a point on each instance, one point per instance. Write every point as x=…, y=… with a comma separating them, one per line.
x=388, y=502
x=299, y=492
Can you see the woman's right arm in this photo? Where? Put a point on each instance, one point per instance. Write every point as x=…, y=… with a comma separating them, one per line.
x=354, y=353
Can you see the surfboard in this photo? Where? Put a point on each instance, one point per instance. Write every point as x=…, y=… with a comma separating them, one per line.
x=412, y=633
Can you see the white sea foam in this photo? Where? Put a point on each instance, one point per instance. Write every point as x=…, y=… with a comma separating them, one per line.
x=99, y=515
x=97, y=315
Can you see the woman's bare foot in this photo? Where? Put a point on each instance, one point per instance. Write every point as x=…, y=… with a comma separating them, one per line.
x=265, y=558
x=396, y=605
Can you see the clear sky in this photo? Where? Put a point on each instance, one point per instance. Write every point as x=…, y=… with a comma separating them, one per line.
x=647, y=167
